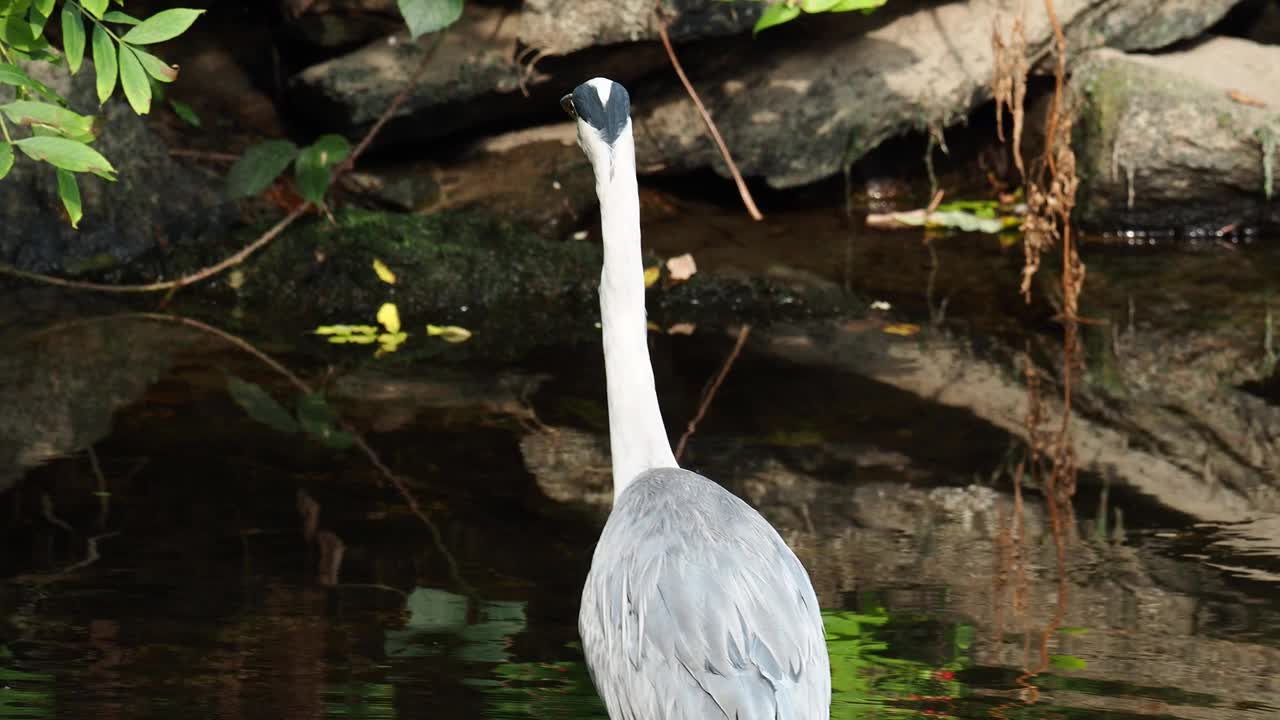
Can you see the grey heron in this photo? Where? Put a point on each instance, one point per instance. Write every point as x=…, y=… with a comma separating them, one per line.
x=694, y=607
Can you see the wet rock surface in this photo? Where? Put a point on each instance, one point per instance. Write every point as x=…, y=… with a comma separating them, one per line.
x=794, y=113
x=1183, y=138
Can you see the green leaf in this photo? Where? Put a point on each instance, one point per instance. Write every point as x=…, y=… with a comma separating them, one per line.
x=115, y=16
x=67, y=154
x=155, y=67
x=1067, y=662
x=259, y=167
x=6, y=158
x=315, y=166
x=164, y=25
x=69, y=193
x=104, y=62
x=137, y=88
x=260, y=405
x=66, y=122
x=776, y=14
x=95, y=7
x=16, y=32
x=39, y=16
x=865, y=6
x=818, y=6
x=13, y=75
x=72, y=37
x=184, y=111
x=318, y=418
x=428, y=16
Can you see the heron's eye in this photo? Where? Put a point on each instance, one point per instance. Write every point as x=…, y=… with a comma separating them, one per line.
x=566, y=102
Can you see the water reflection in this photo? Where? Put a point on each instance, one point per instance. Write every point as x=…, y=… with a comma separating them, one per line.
x=210, y=594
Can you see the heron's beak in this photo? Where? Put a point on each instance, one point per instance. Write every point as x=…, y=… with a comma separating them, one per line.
x=566, y=102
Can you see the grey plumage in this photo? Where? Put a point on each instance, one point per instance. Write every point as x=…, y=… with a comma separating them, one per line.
x=695, y=608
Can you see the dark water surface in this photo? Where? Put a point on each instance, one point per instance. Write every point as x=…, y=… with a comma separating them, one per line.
x=198, y=563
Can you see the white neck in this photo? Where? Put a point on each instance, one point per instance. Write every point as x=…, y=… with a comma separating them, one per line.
x=637, y=438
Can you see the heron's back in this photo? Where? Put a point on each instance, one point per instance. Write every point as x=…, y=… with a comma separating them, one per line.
x=696, y=608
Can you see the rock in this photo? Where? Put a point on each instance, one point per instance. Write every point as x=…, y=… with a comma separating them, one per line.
x=341, y=23
x=833, y=88
x=1180, y=138
x=474, y=80
x=558, y=27
x=155, y=203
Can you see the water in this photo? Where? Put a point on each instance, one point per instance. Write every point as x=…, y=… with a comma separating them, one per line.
x=199, y=563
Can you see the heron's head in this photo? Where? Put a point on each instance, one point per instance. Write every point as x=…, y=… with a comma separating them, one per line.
x=603, y=111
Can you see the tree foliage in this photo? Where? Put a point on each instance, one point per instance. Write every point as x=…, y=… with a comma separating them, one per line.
x=783, y=11
x=36, y=120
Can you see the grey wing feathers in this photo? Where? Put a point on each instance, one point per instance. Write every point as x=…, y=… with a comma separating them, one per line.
x=696, y=608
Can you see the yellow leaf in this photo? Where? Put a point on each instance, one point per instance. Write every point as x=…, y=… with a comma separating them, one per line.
x=449, y=333
x=651, y=275
x=681, y=267
x=346, y=330
x=653, y=326
x=361, y=339
x=384, y=272
x=389, y=316
x=392, y=339
x=904, y=329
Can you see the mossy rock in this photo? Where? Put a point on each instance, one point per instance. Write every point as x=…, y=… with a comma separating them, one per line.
x=446, y=262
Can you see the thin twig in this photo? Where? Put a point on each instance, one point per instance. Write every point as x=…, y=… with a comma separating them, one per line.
x=268, y=236
x=711, y=391
x=706, y=117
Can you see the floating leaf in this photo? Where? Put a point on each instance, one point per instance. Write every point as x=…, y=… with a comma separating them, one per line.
x=69, y=194
x=651, y=275
x=389, y=342
x=681, y=267
x=449, y=333
x=260, y=405
x=953, y=219
x=259, y=167
x=6, y=158
x=684, y=328
x=346, y=330
x=1067, y=662
x=389, y=316
x=137, y=88
x=67, y=154
x=428, y=16
x=164, y=25
x=776, y=14
x=72, y=37
x=184, y=111
x=384, y=272
x=104, y=62
x=903, y=329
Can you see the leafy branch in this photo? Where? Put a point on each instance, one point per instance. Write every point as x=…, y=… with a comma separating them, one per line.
x=58, y=135
x=784, y=11
x=279, y=156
